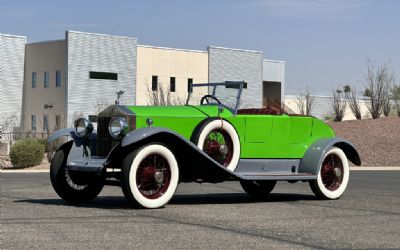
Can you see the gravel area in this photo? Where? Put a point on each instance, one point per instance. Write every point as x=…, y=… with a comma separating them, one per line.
x=5, y=162
x=378, y=141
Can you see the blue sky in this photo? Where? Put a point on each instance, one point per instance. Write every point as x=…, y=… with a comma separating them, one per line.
x=325, y=43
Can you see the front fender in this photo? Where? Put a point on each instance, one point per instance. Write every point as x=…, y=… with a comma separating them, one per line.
x=138, y=135
x=312, y=160
x=193, y=163
x=61, y=133
x=79, y=141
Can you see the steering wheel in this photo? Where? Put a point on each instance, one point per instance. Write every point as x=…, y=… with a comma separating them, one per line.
x=205, y=98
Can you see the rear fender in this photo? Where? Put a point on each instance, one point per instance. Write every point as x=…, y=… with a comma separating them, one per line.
x=312, y=160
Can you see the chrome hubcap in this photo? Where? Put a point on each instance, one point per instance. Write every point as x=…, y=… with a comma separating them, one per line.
x=337, y=172
x=158, y=177
x=223, y=149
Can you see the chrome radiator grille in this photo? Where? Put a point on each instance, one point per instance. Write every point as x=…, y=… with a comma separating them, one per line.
x=104, y=140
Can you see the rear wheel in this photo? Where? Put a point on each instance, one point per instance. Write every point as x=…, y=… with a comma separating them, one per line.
x=218, y=139
x=333, y=175
x=258, y=189
x=72, y=186
x=150, y=176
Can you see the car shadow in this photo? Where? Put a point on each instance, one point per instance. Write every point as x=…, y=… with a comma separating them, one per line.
x=119, y=202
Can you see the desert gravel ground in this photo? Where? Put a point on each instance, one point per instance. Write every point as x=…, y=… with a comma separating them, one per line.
x=378, y=141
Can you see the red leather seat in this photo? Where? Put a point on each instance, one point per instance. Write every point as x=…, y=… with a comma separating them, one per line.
x=260, y=111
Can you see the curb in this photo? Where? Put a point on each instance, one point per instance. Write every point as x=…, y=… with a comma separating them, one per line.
x=375, y=168
x=16, y=171
x=23, y=171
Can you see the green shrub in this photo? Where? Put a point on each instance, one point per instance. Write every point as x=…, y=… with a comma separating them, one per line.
x=44, y=143
x=27, y=152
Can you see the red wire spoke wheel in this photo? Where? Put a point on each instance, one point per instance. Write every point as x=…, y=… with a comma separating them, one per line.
x=219, y=139
x=153, y=176
x=332, y=172
x=218, y=144
x=333, y=175
x=150, y=176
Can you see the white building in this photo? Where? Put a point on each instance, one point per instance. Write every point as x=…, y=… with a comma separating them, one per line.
x=49, y=83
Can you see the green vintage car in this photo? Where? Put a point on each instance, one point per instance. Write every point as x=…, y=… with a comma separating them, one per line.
x=148, y=150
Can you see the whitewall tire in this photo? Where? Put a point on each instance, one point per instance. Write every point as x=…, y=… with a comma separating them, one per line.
x=219, y=139
x=333, y=175
x=150, y=176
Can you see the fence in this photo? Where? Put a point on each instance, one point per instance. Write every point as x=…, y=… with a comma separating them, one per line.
x=15, y=136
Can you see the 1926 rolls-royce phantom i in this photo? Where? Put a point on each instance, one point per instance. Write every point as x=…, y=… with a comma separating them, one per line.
x=148, y=150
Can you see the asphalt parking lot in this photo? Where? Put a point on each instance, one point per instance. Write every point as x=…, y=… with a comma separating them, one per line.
x=204, y=216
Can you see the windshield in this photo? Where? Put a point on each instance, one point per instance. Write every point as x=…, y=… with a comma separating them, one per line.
x=229, y=95
x=226, y=94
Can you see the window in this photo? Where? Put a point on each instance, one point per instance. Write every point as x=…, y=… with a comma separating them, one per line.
x=45, y=122
x=58, y=122
x=172, y=84
x=154, y=83
x=33, y=79
x=46, y=79
x=58, y=79
x=103, y=75
x=190, y=82
x=33, y=122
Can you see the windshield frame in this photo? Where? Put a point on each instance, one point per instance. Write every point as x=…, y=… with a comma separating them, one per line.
x=239, y=85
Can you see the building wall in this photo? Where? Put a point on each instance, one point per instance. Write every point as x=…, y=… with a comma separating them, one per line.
x=168, y=62
x=99, y=53
x=39, y=101
x=322, y=107
x=12, y=53
x=236, y=65
x=81, y=53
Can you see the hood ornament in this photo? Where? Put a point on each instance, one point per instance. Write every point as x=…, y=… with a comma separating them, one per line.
x=119, y=94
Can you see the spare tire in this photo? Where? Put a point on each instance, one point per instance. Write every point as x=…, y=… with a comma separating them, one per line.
x=219, y=139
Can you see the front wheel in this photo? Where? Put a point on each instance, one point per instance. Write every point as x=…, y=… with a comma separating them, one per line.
x=333, y=175
x=258, y=189
x=150, y=176
x=72, y=187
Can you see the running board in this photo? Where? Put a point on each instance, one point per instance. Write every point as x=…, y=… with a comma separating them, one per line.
x=278, y=176
x=271, y=169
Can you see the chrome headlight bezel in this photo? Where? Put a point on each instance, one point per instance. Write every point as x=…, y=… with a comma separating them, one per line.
x=117, y=126
x=83, y=127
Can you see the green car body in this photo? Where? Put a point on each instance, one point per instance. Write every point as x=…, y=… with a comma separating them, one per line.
x=148, y=150
x=261, y=136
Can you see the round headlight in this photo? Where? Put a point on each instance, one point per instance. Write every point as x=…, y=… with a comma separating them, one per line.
x=117, y=126
x=83, y=127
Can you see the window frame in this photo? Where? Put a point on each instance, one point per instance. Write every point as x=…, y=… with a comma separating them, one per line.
x=46, y=79
x=58, y=78
x=45, y=122
x=172, y=84
x=154, y=83
x=189, y=88
x=102, y=75
x=34, y=79
x=33, y=123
